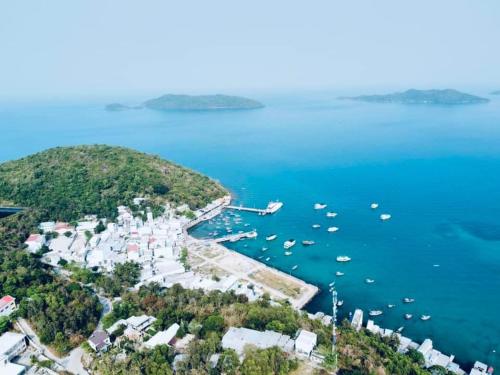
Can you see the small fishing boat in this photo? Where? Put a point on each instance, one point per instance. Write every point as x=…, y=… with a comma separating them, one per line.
x=369, y=281
x=374, y=206
x=375, y=312
x=400, y=329
x=264, y=249
x=436, y=265
x=268, y=259
x=319, y=206
x=308, y=242
x=271, y=237
x=408, y=300
x=316, y=226
x=408, y=316
x=338, y=273
x=262, y=256
x=288, y=253
x=425, y=317
x=333, y=229
x=295, y=267
x=343, y=258
x=390, y=306
x=331, y=284
x=246, y=224
x=331, y=214
x=289, y=243
x=385, y=217
x=340, y=303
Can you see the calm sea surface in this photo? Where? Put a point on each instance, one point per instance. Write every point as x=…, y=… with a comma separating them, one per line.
x=436, y=170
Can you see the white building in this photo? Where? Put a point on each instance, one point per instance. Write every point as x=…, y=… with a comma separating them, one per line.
x=47, y=226
x=8, y=368
x=11, y=345
x=7, y=305
x=305, y=342
x=99, y=341
x=163, y=337
x=239, y=338
x=357, y=319
x=480, y=369
x=35, y=242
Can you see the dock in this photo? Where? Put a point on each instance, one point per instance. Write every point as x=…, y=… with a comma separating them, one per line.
x=235, y=237
x=271, y=208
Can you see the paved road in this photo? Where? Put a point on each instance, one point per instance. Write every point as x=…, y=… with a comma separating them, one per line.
x=74, y=362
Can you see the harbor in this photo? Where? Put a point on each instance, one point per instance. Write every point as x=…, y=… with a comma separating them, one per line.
x=272, y=207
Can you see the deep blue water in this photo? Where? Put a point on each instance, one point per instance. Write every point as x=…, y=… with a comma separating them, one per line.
x=435, y=169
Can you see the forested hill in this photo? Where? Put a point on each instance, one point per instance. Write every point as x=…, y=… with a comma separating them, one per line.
x=69, y=182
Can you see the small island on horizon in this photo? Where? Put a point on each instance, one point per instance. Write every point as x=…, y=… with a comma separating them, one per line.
x=172, y=102
x=496, y=92
x=413, y=96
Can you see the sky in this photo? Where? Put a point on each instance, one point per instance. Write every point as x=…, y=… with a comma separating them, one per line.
x=86, y=47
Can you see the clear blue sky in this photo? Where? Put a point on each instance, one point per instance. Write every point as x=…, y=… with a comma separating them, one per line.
x=98, y=46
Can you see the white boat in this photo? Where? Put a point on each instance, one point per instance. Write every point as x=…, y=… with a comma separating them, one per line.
x=290, y=243
x=252, y=234
x=288, y=253
x=319, y=206
x=374, y=206
x=295, y=267
x=333, y=229
x=246, y=224
x=271, y=237
x=375, y=312
x=369, y=281
x=436, y=265
x=425, y=317
x=331, y=214
x=343, y=258
x=408, y=316
x=272, y=207
x=340, y=303
x=308, y=242
x=338, y=273
x=331, y=284
x=391, y=306
x=264, y=249
x=408, y=300
x=268, y=259
x=385, y=217
x=316, y=226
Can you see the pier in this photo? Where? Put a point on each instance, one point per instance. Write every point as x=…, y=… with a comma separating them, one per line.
x=235, y=237
x=271, y=208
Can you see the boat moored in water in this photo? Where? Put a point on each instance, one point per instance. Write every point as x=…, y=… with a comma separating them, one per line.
x=385, y=217
x=343, y=258
x=295, y=267
x=333, y=229
x=340, y=303
x=408, y=300
x=316, y=226
x=308, y=242
x=289, y=243
x=319, y=206
x=331, y=214
x=271, y=237
x=425, y=317
x=369, y=281
x=408, y=316
x=390, y=306
x=288, y=253
x=338, y=273
x=375, y=312
x=374, y=206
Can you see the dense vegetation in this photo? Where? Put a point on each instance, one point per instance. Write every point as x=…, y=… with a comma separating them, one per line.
x=412, y=96
x=66, y=183
x=201, y=102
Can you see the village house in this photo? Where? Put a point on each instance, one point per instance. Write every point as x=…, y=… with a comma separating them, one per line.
x=239, y=338
x=35, y=242
x=305, y=343
x=164, y=337
x=7, y=305
x=99, y=341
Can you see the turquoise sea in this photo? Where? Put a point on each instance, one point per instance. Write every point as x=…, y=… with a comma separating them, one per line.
x=435, y=169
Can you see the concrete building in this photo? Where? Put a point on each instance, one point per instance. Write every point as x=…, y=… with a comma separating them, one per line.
x=480, y=369
x=238, y=338
x=11, y=345
x=305, y=343
x=7, y=305
x=163, y=337
x=35, y=242
x=357, y=319
x=99, y=341
x=8, y=368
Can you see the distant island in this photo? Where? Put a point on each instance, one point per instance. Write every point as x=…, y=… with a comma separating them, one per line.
x=496, y=92
x=172, y=102
x=413, y=96
x=117, y=107
x=201, y=102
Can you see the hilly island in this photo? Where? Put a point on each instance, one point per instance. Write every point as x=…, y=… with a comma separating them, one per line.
x=171, y=102
x=62, y=301
x=413, y=96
